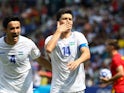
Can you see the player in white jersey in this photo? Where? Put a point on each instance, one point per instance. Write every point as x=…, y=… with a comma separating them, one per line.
x=67, y=51
x=15, y=52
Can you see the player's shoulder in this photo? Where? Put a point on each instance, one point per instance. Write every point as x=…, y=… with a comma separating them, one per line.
x=122, y=57
x=77, y=33
x=1, y=39
x=48, y=37
x=23, y=38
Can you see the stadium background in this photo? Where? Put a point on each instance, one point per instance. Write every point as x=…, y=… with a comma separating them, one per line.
x=97, y=19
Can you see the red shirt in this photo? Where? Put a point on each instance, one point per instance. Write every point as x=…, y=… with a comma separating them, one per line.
x=119, y=83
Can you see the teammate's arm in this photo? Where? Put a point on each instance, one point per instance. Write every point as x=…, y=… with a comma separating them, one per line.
x=44, y=63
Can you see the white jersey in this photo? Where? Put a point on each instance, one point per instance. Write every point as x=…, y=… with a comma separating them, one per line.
x=16, y=74
x=66, y=50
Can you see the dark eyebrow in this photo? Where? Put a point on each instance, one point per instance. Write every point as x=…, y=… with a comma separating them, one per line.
x=14, y=27
x=67, y=18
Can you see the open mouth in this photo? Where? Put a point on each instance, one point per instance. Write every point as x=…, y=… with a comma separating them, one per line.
x=15, y=36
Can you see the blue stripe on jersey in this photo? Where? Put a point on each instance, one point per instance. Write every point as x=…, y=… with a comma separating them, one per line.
x=83, y=45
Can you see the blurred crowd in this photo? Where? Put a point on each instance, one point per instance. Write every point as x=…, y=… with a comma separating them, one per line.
x=98, y=20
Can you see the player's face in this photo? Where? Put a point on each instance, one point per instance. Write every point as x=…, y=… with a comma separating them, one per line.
x=67, y=19
x=12, y=32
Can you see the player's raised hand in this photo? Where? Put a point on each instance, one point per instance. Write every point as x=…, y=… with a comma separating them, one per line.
x=63, y=27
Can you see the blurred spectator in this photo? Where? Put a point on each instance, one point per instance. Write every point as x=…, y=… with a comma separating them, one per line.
x=97, y=19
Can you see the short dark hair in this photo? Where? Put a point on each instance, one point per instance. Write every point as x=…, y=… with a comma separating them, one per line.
x=7, y=19
x=113, y=42
x=63, y=11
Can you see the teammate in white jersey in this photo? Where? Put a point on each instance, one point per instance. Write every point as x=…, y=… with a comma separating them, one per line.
x=67, y=51
x=15, y=52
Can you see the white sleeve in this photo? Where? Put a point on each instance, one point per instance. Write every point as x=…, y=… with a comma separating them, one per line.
x=47, y=39
x=35, y=52
x=81, y=39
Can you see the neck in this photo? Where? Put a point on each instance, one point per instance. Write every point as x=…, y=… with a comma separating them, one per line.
x=114, y=52
x=9, y=41
x=66, y=34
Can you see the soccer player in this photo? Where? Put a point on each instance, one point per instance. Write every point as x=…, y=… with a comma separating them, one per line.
x=15, y=52
x=67, y=50
x=116, y=67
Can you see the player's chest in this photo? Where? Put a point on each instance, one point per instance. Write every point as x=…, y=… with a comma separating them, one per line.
x=67, y=47
x=13, y=56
